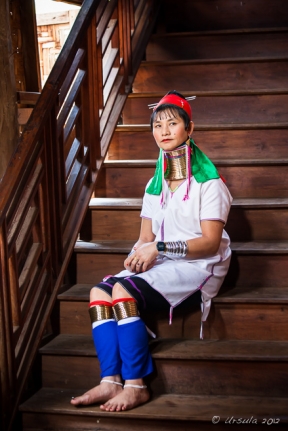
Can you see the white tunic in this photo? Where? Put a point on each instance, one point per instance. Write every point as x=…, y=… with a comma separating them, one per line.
x=176, y=279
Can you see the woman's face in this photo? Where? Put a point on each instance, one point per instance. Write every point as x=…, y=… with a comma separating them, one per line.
x=169, y=131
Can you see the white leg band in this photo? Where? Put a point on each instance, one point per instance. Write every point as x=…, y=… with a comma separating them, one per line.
x=100, y=322
x=128, y=320
x=111, y=382
x=135, y=386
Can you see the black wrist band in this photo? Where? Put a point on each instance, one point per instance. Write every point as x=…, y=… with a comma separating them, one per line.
x=161, y=247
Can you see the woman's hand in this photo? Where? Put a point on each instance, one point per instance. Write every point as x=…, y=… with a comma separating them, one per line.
x=142, y=259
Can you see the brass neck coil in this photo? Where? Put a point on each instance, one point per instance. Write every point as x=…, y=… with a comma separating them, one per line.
x=176, y=164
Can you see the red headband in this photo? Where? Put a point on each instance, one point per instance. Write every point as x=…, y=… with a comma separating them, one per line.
x=173, y=99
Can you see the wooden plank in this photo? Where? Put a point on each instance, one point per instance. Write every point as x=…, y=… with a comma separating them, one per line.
x=221, y=109
x=227, y=321
x=52, y=18
x=28, y=97
x=115, y=225
x=138, y=143
x=251, y=295
x=76, y=293
x=243, y=181
x=234, y=74
x=184, y=361
x=181, y=408
x=71, y=75
x=256, y=224
x=273, y=295
x=24, y=115
x=186, y=46
x=219, y=350
x=123, y=204
x=108, y=34
x=218, y=15
x=265, y=262
x=66, y=111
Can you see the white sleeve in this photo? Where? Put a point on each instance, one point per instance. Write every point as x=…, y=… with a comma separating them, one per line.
x=147, y=204
x=215, y=201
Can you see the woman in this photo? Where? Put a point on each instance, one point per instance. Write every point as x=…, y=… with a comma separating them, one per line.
x=182, y=249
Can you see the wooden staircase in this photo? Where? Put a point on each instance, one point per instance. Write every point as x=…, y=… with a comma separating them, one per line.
x=238, y=69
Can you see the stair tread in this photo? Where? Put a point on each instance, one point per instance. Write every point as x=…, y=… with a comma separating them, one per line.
x=210, y=127
x=110, y=246
x=230, y=350
x=220, y=32
x=270, y=295
x=136, y=203
x=218, y=162
x=251, y=59
x=163, y=407
x=253, y=295
x=263, y=294
x=206, y=93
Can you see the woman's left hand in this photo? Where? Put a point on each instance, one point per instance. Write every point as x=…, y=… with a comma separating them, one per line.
x=143, y=258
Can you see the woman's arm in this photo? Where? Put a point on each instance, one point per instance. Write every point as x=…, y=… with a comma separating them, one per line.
x=146, y=237
x=205, y=246
x=208, y=244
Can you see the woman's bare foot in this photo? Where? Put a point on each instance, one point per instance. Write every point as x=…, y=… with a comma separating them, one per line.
x=126, y=400
x=99, y=394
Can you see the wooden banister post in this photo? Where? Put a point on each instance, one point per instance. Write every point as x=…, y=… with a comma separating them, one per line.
x=8, y=123
x=7, y=364
x=92, y=94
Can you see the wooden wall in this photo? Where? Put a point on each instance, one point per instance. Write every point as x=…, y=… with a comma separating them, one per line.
x=52, y=31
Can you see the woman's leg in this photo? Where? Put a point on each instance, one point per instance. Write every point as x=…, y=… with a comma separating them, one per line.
x=104, y=331
x=134, y=352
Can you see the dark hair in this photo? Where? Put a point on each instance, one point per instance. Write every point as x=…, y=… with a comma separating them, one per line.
x=176, y=111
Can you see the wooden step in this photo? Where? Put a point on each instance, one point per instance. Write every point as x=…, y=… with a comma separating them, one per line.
x=218, y=109
x=212, y=74
x=224, y=15
x=255, y=141
x=245, y=178
x=218, y=44
x=260, y=219
x=264, y=261
x=234, y=367
x=257, y=318
x=50, y=408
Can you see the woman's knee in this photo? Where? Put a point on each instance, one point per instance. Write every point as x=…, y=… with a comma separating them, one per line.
x=119, y=292
x=97, y=294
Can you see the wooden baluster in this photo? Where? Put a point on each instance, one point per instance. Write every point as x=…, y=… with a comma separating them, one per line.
x=7, y=362
x=54, y=189
x=92, y=99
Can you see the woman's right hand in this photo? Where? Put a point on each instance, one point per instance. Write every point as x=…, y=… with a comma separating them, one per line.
x=142, y=259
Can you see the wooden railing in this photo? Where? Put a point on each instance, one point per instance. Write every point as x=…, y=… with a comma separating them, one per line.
x=49, y=181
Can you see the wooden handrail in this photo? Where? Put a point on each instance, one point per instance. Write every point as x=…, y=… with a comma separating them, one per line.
x=46, y=189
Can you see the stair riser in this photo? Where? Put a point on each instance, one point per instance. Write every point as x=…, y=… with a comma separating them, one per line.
x=245, y=270
x=256, y=224
x=186, y=47
x=242, y=181
x=217, y=110
x=226, y=321
x=208, y=77
x=178, y=376
x=224, y=144
x=224, y=15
